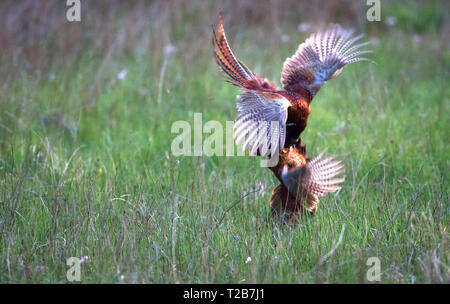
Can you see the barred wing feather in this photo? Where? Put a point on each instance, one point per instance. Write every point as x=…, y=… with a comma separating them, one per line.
x=317, y=178
x=237, y=72
x=321, y=57
x=261, y=122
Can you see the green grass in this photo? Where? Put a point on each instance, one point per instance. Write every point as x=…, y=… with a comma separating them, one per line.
x=86, y=169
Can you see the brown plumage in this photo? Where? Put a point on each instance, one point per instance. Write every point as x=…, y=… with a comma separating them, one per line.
x=271, y=119
x=302, y=182
x=320, y=58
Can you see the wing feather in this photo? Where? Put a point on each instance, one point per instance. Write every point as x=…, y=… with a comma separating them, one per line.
x=320, y=58
x=237, y=72
x=261, y=122
x=317, y=178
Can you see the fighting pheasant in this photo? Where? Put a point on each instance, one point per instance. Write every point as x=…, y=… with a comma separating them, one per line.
x=272, y=119
x=302, y=182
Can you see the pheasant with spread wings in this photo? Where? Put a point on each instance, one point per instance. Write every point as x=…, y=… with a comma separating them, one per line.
x=302, y=182
x=272, y=119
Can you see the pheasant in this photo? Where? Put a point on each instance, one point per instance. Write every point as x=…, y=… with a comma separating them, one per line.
x=271, y=119
x=302, y=182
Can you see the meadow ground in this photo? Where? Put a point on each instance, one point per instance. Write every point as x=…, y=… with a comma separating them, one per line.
x=86, y=167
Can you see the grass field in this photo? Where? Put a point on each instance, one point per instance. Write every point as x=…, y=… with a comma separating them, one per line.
x=86, y=167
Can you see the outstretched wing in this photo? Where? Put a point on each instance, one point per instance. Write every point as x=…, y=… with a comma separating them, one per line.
x=320, y=58
x=261, y=122
x=315, y=179
x=237, y=72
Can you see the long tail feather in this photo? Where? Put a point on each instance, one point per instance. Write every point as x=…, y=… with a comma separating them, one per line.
x=237, y=72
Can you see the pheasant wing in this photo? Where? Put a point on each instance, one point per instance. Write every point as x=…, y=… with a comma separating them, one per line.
x=237, y=72
x=320, y=58
x=317, y=178
x=261, y=122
